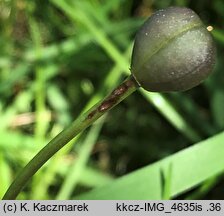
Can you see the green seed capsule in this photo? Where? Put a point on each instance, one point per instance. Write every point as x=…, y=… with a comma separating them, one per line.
x=173, y=51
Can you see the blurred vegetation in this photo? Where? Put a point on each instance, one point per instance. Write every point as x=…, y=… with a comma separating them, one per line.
x=59, y=56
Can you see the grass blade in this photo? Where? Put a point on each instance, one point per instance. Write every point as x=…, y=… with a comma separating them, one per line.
x=190, y=167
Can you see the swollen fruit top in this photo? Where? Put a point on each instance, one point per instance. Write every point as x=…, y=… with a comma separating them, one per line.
x=173, y=51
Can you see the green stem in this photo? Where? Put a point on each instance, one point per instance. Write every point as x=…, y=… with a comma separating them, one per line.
x=84, y=121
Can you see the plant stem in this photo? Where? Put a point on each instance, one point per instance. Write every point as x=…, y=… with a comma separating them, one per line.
x=82, y=122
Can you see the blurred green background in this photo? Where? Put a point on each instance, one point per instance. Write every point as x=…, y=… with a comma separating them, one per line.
x=57, y=57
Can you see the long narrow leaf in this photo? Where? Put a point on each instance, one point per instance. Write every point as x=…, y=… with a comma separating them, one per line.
x=190, y=167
